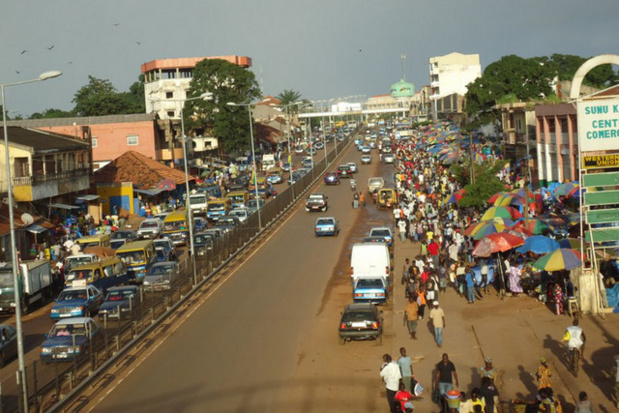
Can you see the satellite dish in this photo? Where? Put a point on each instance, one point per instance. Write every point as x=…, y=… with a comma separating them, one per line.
x=27, y=219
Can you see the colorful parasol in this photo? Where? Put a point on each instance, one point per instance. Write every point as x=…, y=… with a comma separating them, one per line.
x=456, y=196
x=566, y=189
x=501, y=212
x=538, y=244
x=561, y=259
x=532, y=226
x=496, y=242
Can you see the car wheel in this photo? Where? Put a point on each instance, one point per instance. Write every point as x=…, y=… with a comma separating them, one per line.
x=342, y=340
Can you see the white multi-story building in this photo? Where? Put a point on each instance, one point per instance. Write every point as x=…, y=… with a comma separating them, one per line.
x=166, y=82
x=450, y=74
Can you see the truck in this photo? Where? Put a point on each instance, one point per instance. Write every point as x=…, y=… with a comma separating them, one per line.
x=34, y=281
x=268, y=162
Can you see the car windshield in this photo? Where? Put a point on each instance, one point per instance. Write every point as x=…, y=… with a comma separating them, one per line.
x=380, y=233
x=175, y=226
x=324, y=221
x=370, y=283
x=6, y=279
x=237, y=213
x=358, y=315
x=118, y=295
x=197, y=199
x=79, y=275
x=217, y=207
x=315, y=198
x=225, y=222
x=202, y=239
x=68, y=330
x=149, y=224
x=161, y=243
x=236, y=198
x=161, y=270
x=375, y=181
x=76, y=261
x=130, y=257
x=72, y=295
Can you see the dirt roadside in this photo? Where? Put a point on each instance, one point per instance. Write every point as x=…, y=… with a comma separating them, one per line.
x=515, y=332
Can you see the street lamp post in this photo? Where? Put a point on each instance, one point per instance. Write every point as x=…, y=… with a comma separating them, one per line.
x=253, y=157
x=21, y=371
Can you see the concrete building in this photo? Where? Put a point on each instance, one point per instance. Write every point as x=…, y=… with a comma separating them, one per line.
x=166, y=82
x=449, y=77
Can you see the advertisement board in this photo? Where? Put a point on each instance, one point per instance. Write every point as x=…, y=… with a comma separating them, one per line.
x=598, y=125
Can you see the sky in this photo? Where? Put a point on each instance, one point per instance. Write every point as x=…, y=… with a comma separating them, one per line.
x=324, y=49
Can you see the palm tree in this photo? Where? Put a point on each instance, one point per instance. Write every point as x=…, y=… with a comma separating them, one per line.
x=288, y=96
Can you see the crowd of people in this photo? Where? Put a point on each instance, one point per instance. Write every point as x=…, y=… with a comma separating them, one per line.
x=424, y=217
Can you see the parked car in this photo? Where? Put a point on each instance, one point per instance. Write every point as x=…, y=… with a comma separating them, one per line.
x=253, y=204
x=69, y=339
x=384, y=232
x=241, y=213
x=326, y=226
x=316, y=202
x=161, y=276
x=372, y=290
x=332, y=178
x=120, y=302
x=8, y=343
x=361, y=321
x=366, y=159
x=77, y=302
x=150, y=228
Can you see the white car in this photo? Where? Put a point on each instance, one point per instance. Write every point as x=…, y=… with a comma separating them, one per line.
x=353, y=167
x=150, y=228
x=241, y=213
x=388, y=158
x=366, y=159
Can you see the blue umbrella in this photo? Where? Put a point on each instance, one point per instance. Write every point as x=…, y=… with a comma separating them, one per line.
x=539, y=244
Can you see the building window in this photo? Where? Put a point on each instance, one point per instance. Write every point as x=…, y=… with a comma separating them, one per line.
x=171, y=114
x=132, y=140
x=169, y=95
x=94, y=142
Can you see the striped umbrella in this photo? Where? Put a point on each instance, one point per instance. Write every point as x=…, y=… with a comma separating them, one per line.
x=485, y=228
x=456, y=196
x=496, y=242
x=561, y=259
x=508, y=199
x=566, y=189
x=501, y=212
x=532, y=226
x=495, y=196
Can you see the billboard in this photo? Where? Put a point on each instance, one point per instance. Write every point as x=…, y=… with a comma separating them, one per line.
x=598, y=125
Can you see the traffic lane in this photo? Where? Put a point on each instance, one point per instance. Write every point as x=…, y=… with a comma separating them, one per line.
x=237, y=351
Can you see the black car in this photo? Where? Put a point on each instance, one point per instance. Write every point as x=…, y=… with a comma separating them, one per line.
x=344, y=171
x=361, y=321
x=331, y=178
x=126, y=234
x=120, y=302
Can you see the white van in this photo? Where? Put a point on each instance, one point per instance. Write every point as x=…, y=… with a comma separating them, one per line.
x=370, y=260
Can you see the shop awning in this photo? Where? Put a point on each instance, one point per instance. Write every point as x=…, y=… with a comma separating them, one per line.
x=149, y=192
x=88, y=197
x=63, y=206
x=35, y=229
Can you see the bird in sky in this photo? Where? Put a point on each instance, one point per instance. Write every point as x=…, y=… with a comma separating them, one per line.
x=138, y=43
x=359, y=50
x=16, y=72
x=23, y=51
x=116, y=24
x=70, y=63
x=51, y=47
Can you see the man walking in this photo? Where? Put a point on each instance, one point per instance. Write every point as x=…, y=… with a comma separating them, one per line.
x=411, y=316
x=445, y=377
x=390, y=372
x=438, y=321
x=406, y=369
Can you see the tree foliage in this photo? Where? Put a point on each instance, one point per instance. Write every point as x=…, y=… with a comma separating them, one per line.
x=100, y=98
x=51, y=113
x=565, y=67
x=486, y=182
x=228, y=83
x=288, y=96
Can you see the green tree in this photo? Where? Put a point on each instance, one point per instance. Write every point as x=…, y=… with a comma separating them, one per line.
x=486, y=182
x=565, y=67
x=135, y=97
x=228, y=83
x=99, y=98
x=288, y=96
x=51, y=113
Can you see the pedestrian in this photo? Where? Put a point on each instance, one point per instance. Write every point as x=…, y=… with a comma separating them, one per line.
x=543, y=375
x=488, y=370
x=390, y=372
x=402, y=229
x=584, y=405
x=489, y=393
x=421, y=301
x=361, y=199
x=445, y=377
x=411, y=314
x=466, y=405
x=403, y=397
x=438, y=321
x=406, y=369
x=470, y=285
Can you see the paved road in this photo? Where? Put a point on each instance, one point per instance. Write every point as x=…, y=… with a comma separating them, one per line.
x=237, y=351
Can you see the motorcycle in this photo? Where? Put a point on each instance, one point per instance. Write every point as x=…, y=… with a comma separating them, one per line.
x=353, y=185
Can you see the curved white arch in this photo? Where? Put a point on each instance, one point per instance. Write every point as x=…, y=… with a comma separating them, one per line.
x=582, y=71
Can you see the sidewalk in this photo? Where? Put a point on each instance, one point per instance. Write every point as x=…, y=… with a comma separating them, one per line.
x=515, y=333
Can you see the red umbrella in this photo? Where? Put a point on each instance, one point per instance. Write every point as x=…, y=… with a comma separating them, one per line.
x=496, y=242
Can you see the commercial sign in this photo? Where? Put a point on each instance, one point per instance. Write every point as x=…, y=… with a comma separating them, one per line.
x=600, y=161
x=598, y=125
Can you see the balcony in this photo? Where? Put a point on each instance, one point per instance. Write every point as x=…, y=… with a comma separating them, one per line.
x=38, y=187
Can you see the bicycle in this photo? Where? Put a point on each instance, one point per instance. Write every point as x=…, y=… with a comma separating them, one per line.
x=574, y=356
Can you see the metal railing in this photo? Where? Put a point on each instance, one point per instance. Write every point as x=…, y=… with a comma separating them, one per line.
x=55, y=386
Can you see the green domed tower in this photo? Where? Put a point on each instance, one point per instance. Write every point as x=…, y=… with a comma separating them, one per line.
x=402, y=89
